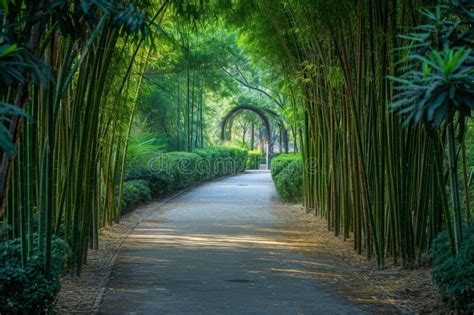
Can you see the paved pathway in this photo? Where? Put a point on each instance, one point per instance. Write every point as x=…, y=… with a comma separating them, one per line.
x=226, y=247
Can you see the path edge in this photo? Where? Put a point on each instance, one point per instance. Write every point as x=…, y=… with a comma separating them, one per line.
x=99, y=297
x=357, y=273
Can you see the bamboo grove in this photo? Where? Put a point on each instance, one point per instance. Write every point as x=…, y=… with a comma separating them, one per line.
x=190, y=96
x=73, y=73
x=62, y=180
x=375, y=181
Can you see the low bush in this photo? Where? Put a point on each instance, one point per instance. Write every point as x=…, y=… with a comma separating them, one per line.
x=454, y=275
x=159, y=181
x=156, y=175
x=26, y=288
x=185, y=168
x=279, y=162
x=207, y=165
x=289, y=181
x=221, y=161
x=135, y=192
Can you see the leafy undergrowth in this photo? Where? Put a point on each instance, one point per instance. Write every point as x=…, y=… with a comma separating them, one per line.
x=454, y=275
x=24, y=287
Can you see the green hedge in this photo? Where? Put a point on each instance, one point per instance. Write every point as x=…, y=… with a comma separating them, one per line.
x=287, y=173
x=163, y=173
x=135, y=192
x=280, y=161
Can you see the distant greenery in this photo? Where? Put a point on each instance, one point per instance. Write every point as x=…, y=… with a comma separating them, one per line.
x=153, y=176
x=287, y=173
x=254, y=159
x=454, y=275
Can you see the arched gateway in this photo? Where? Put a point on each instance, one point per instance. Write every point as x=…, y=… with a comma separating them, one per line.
x=263, y=115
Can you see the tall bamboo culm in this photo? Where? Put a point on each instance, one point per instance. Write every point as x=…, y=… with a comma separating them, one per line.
x=373, y=180
x=63, y=180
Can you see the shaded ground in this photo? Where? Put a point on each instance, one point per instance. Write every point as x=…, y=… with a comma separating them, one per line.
x=412, y=291
x=231, y=247
x=83, y=294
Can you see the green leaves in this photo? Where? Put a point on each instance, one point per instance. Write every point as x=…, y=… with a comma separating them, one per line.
x=7, y=49
x=26, y=288
x=16, y=62
x=454, y=274
x=438, y=72
x=6, y=141
x=439, y=84
x=4, y=5
x=130, y=18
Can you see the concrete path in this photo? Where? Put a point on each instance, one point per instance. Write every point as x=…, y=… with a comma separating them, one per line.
x=226, y=247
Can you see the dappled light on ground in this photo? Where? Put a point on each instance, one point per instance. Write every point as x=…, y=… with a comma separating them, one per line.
x=200, y=241
x=195, y=255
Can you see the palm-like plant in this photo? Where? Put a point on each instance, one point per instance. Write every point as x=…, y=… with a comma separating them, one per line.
x=15, y=63
x=443, y=86
x=438, y=85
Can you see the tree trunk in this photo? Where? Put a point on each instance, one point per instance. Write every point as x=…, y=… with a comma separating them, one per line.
x=178, y=130
x=191, y=131
x=252, y=137
x=202, y=116
x=454, y=183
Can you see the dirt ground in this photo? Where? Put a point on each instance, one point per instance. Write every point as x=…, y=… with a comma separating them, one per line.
x=410, y=290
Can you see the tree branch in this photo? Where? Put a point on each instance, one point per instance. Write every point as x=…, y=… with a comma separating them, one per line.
x=246, y=84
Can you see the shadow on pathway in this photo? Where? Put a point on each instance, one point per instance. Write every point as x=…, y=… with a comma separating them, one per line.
x=227, y=247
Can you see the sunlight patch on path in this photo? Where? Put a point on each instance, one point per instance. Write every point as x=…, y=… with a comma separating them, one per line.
x=228, y=247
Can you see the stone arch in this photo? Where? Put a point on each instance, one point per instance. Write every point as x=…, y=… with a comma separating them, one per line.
x=264, y=115
x=236, y=110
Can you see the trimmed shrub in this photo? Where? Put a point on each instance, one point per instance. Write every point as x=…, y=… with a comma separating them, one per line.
x=280, y=161
x=135, y=192
x=183, y=166
x=221, y=161
x=152, y=176
x=289, y=181
x=158, y=179
x=207, y=163
x=454, y=275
